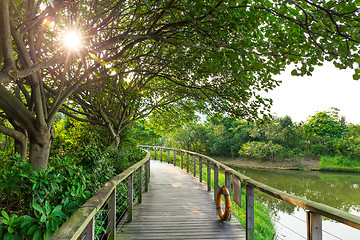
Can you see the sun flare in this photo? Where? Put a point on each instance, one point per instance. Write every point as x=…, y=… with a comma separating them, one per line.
x=72, y=40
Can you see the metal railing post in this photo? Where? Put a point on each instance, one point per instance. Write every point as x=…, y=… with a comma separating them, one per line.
x=130, y=198
x=154, y=153
x=112, y=216
x=250, y=213
x=216, y=180
x=89, y=231
x=314, y=226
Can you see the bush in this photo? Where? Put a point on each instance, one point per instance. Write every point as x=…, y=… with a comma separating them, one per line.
x=339, y=164
x=28, y=193
x=262, y=150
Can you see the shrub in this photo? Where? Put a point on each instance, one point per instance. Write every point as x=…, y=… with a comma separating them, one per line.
x=261, y=150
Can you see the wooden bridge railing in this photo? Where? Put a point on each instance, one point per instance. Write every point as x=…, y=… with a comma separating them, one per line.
x=82, y=222
x=314, y=210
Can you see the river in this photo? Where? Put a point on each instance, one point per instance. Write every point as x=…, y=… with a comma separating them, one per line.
x=339, y=190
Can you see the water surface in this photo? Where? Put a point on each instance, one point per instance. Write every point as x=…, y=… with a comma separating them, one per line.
x=338, y=190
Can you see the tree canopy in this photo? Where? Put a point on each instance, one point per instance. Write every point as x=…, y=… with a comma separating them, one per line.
x=220, y=53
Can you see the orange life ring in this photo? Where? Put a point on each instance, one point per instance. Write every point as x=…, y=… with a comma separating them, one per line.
x=223, y=191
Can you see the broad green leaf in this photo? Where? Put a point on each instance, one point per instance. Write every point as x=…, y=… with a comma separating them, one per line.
x=6, y=216
x=38, y=208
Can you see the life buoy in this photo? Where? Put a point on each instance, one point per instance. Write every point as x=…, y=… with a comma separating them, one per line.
x=223, y=191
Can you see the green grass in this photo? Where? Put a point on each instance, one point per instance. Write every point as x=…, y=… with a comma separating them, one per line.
x=264, y=219
x=328, y=163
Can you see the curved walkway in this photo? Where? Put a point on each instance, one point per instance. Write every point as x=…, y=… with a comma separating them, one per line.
x=177, y=206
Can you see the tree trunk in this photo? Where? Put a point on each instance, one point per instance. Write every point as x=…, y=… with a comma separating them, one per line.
x=21, y=147
x=39, y=149
x=115, y=142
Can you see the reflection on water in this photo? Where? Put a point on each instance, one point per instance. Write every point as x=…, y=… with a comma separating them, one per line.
x=338, y=190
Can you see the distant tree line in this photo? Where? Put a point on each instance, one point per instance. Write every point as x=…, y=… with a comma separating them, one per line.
x=323, y=134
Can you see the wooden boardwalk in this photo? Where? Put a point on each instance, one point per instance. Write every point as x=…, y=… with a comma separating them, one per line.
x=177, y=206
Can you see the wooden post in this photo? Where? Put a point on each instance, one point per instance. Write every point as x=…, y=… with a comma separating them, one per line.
x=161, y=154
x=147, y=175
x=130, y=198
x=209, y=175
x=250, y=213
x=228, y=181
x=216, y=180
x=140, y=185
x=174, y=157
x=200, y=169
x=89, y=231
x=169, y=156
x=314, y=226
x=187, y=163
x=154, y=153
x=194, y=158
x=112, y=216
x=182, y=160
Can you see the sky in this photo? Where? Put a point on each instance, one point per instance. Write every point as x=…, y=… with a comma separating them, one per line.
x=300, y=97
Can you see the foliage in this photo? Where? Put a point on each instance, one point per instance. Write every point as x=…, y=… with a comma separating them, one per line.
x=323, y=134
x=214, y=55
x=325, y=124
x=336, y=163
x=29, y=193
x=261, y=150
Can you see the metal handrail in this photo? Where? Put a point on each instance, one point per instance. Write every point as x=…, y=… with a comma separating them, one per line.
x=82, y=222
x=315, y=209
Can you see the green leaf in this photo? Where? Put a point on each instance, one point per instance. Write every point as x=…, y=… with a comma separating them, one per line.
x=47, y=208
x=32, y=229
x=356, y=76
x=6, y=216
x=17, y=1
x=43, y=218
x=57, y=209
x=5, y=221
x=27, y=222
x=37, y=235
x=10, y=230
x=294, y=73
x=38, y=208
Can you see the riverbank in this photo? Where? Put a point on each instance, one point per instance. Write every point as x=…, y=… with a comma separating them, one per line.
x=313, y=164
x=299, y=164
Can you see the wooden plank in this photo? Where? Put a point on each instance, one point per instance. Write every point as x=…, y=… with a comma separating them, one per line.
x=200, y=169
x=237, y=191
x=208, y=175
x=178, y=206
x=112, y=216
x=314, y=226
x=130, y=197
x=216, y=180
x=250, y=213
x=182, y=160
x=89, y=231
x=194, y=165
x=140, y=190
x=187, y=162
x=174, y=158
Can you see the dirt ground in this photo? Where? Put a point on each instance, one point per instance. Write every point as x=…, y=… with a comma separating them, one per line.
x=305, y=164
